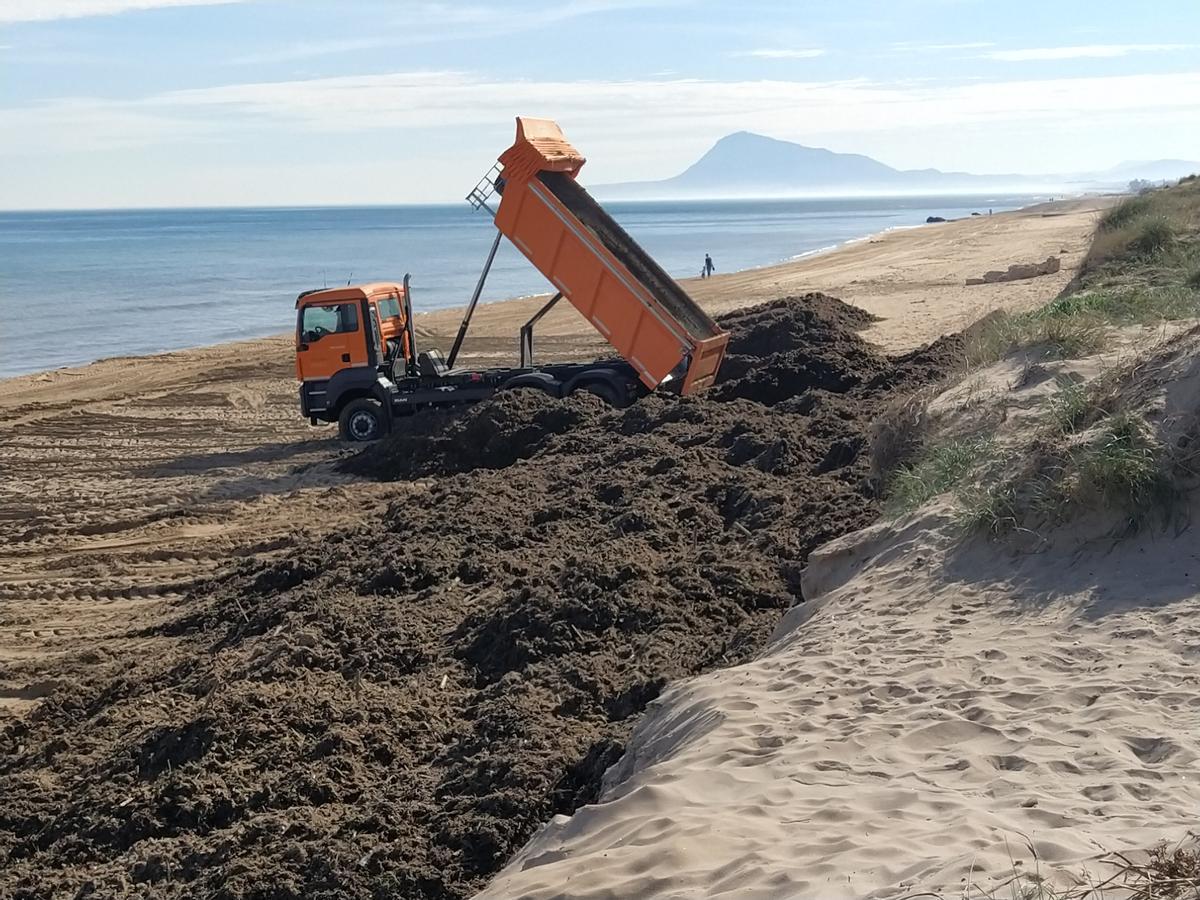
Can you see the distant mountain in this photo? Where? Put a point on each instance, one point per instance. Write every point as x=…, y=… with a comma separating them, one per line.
x=744, y=164
x=745, y=159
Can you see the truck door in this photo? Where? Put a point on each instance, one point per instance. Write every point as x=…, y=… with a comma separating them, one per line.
x=376, y=332
x=391, y=323
x=331, y=338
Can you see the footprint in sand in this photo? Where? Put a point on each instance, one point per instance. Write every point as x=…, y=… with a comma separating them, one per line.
x=1152, y=750
x=1012, y=763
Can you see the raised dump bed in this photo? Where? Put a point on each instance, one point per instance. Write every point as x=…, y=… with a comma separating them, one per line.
x=643, y=312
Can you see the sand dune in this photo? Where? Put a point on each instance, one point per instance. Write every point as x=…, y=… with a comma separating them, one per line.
x=940, y=715
x=908, y=732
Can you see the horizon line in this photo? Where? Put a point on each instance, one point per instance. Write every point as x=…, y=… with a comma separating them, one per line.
x=727, y=198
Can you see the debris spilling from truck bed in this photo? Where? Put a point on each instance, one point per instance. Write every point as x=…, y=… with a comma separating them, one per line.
x=392, y=712
x=491, y=435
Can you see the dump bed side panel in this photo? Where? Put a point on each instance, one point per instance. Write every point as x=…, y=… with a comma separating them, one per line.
x=662, y=286
x=611, y=280
x=593, y=280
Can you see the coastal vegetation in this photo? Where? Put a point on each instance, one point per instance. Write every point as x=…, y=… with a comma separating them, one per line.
x=1087, y=445
x=1143, y=268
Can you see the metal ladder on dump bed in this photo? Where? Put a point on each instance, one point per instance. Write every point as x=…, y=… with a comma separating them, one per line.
x=485, y=189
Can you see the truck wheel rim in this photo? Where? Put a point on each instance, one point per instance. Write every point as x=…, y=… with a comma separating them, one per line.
x=363, y=426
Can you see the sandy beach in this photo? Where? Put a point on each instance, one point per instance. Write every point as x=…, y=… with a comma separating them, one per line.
x=134, y=477
x=599, y=450
x=910, y=708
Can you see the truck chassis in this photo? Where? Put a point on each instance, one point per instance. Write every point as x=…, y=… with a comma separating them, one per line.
x=366, y=401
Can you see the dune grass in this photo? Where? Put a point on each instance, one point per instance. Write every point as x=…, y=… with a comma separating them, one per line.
x=1059, y=336
x=1143, y=269
x=1121, y=468
x=1169, y=872
x=1089, y=454
x=1126, y=212
x=899, y=432
x=1144, y=230
x=1070, y=408
x=1126, y=304
x=936, y=470
x=1079, y=324
x=989, y=509
x=1115, y=465
x=1153, y=237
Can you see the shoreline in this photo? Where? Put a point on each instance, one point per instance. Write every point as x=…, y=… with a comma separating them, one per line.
x=455, y=204
x=432, y=320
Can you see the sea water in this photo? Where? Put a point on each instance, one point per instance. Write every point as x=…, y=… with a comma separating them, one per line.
x=80, y=286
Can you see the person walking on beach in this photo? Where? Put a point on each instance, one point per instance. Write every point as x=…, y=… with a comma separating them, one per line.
x=709, y=268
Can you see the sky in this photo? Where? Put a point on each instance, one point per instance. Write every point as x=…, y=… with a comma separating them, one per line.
x=138, y=103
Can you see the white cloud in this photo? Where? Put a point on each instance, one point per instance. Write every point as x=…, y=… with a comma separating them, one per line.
x=1086, y=51
x=918, y=46
x=424, y=17
x=108, y=125
x=772, y=53
x=447, y=124
x=435, y=22
x=440, y=99
x=310, y=49
x=663, y=110
x=48, y=10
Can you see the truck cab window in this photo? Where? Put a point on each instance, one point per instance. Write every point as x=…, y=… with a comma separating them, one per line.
x=319, y=321
x=389, y=307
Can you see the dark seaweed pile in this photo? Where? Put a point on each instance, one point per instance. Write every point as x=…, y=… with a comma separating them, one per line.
x=392, y=712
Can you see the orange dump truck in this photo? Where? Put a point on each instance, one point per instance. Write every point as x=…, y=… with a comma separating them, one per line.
x=375, y=373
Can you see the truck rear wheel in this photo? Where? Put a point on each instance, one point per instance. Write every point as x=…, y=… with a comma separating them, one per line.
x=603, y=390
x=362, y=420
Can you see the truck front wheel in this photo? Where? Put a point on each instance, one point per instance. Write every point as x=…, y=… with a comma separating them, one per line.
x=362, y=420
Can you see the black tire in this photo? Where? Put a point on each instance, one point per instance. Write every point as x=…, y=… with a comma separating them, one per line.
x=362, y=420
x=543, y=384
x=604, y=391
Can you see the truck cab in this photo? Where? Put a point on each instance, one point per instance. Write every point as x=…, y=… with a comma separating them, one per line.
x=347, y=340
